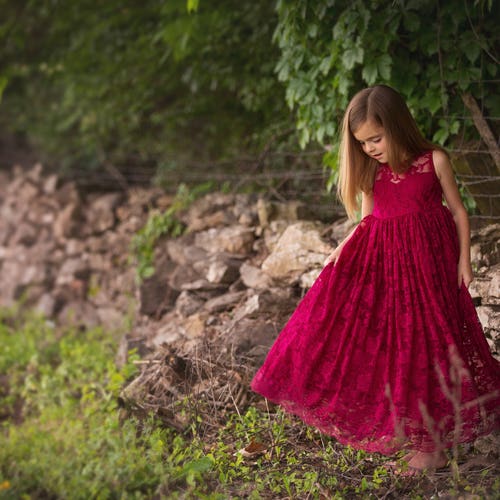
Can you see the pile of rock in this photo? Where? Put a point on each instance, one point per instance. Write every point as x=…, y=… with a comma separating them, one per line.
x=236, y=274
x=67, y=255
x=485, y=289
x=240, y=268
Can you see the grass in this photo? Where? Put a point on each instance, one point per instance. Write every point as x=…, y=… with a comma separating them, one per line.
x=64, y=436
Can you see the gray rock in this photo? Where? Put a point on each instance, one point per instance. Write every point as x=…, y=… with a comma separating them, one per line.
x=143, y=198
x=220, y=218
x=308, y=278
x=341, y=228
x=273, y=233
x=299, y=250
x=100, y=214
x=36, y=273
x=234, y=239
x=489, y=316
x=111, y=318
x=485, y=287
x=31, y=294
x=253, y=277
x=252, y=338
x=74, y=247
x=34, y=173
x=50, y=184
x=68, y=221
x=156, y=295
x=131, y=225
x=26, y=192
x=181, y=276
x=99, y=262
x=67, y=194
x=80, y=314
x=203, y=285
x=194, y=325
x=210, y=210
x=42, y=211
x=6, y=231
x=268, y=211
x=223, y=269
x=25, y=234
x=168, y=331
x=174, y=327
x=46, y=305
x=71, y=269
x=183, y=252
x=277, y=301
x=188, y=303
x=494, y=287
x=485, y=246
x=223, y=302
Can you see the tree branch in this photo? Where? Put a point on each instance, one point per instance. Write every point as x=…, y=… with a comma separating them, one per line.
x=482, y=127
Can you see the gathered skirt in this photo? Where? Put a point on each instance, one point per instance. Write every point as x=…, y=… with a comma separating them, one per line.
x=386, y=351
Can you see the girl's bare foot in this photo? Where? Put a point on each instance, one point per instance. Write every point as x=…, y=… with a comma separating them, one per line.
x=426, y=461
x=422, y=462
x=416, y=462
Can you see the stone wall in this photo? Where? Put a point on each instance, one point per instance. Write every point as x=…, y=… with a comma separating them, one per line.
x=236, y=274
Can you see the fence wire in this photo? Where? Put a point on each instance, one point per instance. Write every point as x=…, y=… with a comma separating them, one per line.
x=289, y=174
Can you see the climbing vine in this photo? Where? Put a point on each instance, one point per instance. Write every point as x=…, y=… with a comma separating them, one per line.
x=433, y=52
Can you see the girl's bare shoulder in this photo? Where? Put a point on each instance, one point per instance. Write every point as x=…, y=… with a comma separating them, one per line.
x=441, y=162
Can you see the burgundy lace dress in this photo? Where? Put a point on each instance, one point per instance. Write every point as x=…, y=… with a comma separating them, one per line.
x=385, y=351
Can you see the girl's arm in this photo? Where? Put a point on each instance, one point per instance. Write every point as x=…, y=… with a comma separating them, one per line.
x=446, y=177
x=366, y=209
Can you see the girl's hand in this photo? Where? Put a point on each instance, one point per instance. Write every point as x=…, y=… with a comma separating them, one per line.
x=465, y=274
x=333, y=256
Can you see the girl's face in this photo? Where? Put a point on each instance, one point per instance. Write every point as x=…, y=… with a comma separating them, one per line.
x=371, y=138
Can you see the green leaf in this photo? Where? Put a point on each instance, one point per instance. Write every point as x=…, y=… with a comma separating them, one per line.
x=326, y=64
x=384, y=64
x=351, y=56
x=3, y=83
x=432, y=100
x=440, y=136
x=411, y=22
x=320, y=133
x=454, y=127
x=369, y=73
x=472, y=51
x=197, y=466
x=344, y=85
x=492, y=69
x=283, y=70
x=312, y=30
x=304, y=137
x=192, y=5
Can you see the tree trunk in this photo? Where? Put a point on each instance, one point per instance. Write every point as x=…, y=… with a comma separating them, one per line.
x=480, y=172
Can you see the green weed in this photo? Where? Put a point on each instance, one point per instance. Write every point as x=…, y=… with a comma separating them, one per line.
x=70, y=439
x=161, y=224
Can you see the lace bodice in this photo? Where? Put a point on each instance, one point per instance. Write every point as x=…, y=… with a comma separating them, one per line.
x=415, y=190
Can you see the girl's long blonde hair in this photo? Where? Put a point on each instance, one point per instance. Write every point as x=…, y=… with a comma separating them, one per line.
x=384, y=107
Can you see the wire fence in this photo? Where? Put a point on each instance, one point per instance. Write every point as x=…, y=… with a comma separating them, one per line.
x=288, y=174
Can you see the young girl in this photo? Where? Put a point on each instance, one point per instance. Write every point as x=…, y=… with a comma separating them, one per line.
x=385, y=352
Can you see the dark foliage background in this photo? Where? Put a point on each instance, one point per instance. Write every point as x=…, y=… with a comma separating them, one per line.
x=176, y=87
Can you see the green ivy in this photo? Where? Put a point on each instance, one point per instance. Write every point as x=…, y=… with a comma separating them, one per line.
x=430, y=51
